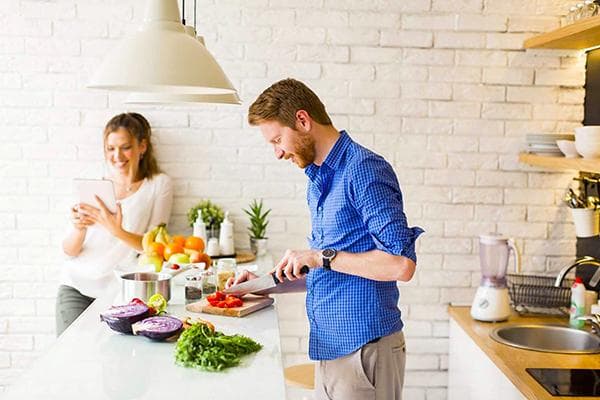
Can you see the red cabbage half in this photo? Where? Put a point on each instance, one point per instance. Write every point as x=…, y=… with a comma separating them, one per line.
x=158, y=328
x=120, y=318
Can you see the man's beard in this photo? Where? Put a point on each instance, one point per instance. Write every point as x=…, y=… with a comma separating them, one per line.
x=305, y=150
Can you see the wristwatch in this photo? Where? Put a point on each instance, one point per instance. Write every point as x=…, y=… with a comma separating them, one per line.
x=328, y=255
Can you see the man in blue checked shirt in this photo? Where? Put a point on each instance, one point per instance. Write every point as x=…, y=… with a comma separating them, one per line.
x=360, y=246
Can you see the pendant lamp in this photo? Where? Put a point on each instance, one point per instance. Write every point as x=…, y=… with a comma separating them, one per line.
x=162, y=58
x=178, y=98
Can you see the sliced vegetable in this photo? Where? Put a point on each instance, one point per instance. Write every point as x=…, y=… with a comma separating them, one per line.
x=203, y=348
x=219, y=299
x=158, y=302
x=158, y=328
x=120, y=318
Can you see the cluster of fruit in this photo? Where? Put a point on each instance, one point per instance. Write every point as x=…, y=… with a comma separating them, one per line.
x=159, y=246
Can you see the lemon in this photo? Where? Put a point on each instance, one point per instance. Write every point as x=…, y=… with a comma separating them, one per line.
x=158, y=302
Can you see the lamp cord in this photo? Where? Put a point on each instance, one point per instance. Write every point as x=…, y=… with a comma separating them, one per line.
x=183, y=12
x=195, y=16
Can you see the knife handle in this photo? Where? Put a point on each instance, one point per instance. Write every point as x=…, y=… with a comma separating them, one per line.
x=303, y=271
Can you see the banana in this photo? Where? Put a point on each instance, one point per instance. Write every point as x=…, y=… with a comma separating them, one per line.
x=162, y=236
x=149, y=238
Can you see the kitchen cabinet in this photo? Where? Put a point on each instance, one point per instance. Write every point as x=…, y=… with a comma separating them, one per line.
x=472, y=375
x=561, y=163
x=580, y=35
x=481, y=368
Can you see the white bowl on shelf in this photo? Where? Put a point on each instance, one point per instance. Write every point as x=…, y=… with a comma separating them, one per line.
x=567, y=147
x=588, y=148
x=590, y=132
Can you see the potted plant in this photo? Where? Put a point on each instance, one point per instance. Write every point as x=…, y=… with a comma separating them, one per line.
x=258, y=227
x=212, y=215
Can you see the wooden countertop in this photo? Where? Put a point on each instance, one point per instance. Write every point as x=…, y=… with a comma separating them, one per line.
x=513, y=361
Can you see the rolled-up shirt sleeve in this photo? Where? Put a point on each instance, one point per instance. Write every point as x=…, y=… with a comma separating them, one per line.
x=376, y=195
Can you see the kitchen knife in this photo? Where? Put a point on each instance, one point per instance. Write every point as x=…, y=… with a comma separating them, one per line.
x=264, y=282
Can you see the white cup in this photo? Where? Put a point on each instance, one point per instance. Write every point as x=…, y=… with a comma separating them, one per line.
x=587, y=222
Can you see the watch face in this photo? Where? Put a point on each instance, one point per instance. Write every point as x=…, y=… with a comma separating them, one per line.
x=328, y=253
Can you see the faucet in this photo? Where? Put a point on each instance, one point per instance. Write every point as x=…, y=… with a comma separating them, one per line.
x=583, y=260
x=594, y=320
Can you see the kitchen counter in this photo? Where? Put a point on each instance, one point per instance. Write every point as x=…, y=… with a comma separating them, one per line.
x=513, y=361
x=90, y=361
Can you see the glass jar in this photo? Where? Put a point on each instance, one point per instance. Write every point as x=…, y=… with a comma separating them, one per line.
x=570, y=18
x=193, y=287
x=225, y=270
x=580, y=12
x=208, y=282
x=591, y=8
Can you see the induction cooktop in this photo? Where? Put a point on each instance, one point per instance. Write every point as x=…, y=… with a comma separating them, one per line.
x=568, y=382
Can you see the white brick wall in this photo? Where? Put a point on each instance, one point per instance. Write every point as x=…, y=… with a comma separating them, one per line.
x=441, y=88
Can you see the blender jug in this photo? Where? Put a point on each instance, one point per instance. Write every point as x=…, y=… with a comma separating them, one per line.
x=491, y=302
x=494, y=251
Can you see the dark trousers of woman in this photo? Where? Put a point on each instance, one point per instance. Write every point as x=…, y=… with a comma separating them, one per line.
x=70, y=303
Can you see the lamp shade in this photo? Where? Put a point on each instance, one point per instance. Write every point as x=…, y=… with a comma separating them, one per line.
x=176, y=98
x=161, y=57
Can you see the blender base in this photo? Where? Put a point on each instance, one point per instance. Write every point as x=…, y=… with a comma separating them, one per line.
x=491, y=304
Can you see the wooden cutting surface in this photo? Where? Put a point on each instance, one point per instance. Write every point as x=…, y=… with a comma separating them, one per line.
x=513, y=361
x=251, y=304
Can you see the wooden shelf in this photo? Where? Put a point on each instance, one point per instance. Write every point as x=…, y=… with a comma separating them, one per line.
x=562, y=163
x=579, y=35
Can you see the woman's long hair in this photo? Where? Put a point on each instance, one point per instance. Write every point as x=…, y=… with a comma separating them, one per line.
x=139, y=128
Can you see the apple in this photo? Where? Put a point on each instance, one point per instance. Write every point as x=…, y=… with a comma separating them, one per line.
x=154, y=260
x=179, y=258
x=194, y=255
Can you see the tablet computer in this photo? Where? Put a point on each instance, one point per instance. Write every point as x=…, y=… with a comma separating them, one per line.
x=87, y=189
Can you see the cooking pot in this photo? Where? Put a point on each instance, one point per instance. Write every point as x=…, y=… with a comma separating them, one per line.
x=144, y=284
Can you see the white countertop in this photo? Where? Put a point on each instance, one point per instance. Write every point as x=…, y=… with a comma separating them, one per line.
x=90, y=361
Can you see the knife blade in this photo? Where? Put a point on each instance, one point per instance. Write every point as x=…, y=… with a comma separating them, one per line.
x=264, y=282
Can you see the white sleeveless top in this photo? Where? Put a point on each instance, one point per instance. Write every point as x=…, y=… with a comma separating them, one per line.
x=91, y=272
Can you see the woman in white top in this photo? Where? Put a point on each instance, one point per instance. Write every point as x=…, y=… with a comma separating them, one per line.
x=98, y=240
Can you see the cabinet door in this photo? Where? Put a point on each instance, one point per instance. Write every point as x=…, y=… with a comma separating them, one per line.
x=472, y=375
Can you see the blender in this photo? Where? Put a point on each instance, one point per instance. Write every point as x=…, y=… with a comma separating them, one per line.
x=491, y=302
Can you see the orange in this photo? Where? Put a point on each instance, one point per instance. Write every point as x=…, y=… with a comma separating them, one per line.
x=171, y=249
x=157, y=248
x=194, y=243
x=178, y=239
x=205, y=258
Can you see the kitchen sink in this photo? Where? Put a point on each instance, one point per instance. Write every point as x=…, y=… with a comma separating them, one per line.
x=548, y=338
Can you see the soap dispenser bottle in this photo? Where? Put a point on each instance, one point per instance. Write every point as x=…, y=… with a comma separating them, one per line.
x=226, y=237
x=200, y=227
x=577, y=304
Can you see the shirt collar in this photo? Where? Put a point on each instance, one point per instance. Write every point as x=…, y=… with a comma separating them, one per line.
x=334, y=157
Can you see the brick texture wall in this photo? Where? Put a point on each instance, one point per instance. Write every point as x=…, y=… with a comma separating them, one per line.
x=441, y=88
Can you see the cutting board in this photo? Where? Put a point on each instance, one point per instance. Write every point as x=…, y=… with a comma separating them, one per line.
x=251, y=304
x=241, y=256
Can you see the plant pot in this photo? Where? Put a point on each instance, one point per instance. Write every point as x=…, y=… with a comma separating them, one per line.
x=259, y=246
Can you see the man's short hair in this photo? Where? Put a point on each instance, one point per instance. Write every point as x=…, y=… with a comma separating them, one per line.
x=282, y=100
